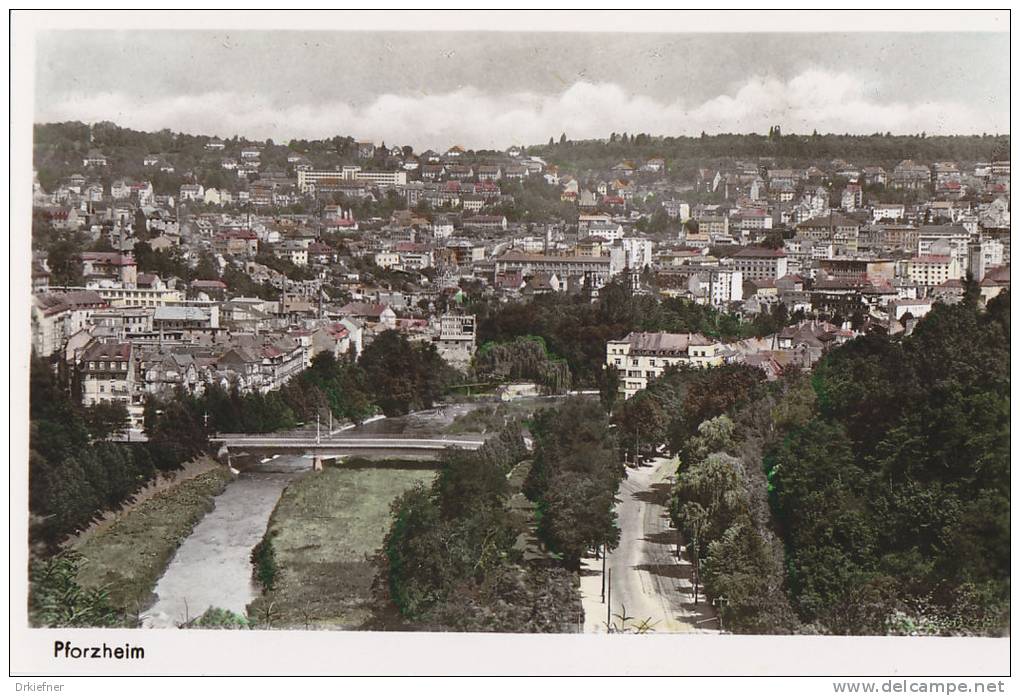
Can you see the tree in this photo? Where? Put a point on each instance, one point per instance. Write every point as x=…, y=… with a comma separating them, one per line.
x=106, y=420
x=563, y=138
x=404, y=377
x=609, y=388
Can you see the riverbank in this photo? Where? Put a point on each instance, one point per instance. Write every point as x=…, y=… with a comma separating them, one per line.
x=325, y=530
x=128, y=553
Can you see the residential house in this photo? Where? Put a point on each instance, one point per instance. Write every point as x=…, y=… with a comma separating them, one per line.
x=641, y=357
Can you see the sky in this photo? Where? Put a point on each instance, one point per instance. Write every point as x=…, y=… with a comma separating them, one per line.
x=493, y=90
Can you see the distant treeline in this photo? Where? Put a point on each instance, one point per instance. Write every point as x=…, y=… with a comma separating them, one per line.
x=684, y=155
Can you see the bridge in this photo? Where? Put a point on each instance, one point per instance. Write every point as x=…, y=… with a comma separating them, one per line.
x=391, y=446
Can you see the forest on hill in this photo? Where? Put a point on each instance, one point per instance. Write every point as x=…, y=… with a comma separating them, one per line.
x=684, y=155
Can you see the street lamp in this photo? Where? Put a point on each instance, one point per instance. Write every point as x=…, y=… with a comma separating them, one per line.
x=720, y=602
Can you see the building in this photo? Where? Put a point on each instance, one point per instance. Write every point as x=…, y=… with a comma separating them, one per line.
x=456, y=339
x=236, y=243
x=637, y=252
x=641, y=357
x=95, y=158
x=939, y=240
x=374, y=315
x=915, y=308
x=932, y=270
x=888, y=211
x=108, y=376
x=486, y=222
x=607, y=229
x=110, y=265
x=58, y=316
x=995, y=281
x=910, y=175
x=872, y=270
x=984, y=255
x=309, y=181
x=172, y=318
x=759, y=263
x=576, y=270
x=704, y=284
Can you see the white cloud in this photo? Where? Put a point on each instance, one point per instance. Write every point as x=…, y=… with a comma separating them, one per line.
x=813, y=100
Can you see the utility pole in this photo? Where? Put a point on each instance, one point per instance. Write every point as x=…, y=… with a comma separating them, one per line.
x=609, y=603
x=317, y=438
x=604, y=552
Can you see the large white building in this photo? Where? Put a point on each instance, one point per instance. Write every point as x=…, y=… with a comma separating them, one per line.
x=638, y=252
x=309, y=179
x=607, y=229
x=932, y=270
x=641, y=357
x=725, y=285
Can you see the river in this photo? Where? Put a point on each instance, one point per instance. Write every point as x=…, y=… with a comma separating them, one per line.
x=212, y=568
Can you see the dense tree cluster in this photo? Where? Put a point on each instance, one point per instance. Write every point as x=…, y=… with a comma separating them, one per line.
x=404, y=376
x=577, y=329
x=871, y=497
x=74, y=471
x=894, y=498
x=451, y=560
x=60, y=147
x=720, y=504
x=574, y=479
x=525, y=357
x=670, y=409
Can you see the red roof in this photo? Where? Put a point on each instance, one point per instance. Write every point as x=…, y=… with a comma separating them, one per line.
x=238, y=234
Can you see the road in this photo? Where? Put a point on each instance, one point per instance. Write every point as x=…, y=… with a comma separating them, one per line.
x=647, y=580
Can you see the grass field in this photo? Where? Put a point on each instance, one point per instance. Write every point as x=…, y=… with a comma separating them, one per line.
x=325, y=529
x=130, y=554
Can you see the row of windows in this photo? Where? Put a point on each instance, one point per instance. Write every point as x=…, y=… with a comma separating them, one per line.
x=114, y=365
